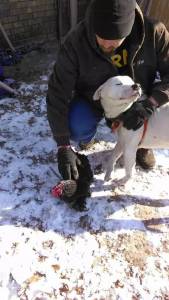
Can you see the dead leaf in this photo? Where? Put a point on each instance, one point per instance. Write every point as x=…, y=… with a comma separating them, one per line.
x=56, y=267
x=79, y=290
x=119, y=284
x=35, y=277
x=64, y=289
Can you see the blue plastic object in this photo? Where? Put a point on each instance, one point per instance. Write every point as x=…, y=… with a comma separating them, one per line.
x=8, y=58
x=82, y=121
x=1, y=72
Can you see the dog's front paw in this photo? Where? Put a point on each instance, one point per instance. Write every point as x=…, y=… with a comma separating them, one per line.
x=123, y=181
x=108, y=174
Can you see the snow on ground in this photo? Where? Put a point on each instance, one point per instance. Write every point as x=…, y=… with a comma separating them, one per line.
x=117, y=249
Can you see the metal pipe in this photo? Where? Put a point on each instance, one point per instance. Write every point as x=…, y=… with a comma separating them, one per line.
x=8, y=88
x=145, y=5
x=59, y=20
x=148, y=7
x=73, y=12
x=6, y=37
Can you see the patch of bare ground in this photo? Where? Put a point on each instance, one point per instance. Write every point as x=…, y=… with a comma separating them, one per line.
x=135, y=248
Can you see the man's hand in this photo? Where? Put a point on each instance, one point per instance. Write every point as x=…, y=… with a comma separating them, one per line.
x=68, y=163
x=140, y=111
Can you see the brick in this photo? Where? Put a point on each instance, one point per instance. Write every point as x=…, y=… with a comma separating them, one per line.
x=28, y=20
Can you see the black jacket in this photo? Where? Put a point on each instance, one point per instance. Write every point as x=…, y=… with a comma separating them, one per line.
x=81, y=67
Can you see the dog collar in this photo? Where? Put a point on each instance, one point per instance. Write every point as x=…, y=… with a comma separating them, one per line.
x=144, y=130
x=115, y=125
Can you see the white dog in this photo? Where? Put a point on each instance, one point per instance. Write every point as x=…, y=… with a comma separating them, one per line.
x=117, y=95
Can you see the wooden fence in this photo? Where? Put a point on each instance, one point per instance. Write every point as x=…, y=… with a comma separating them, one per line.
x=157, y=9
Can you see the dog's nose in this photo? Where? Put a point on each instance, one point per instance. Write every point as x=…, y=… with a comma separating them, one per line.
x=136, y=87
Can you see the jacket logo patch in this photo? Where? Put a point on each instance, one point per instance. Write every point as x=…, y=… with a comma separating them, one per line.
x=120, y=60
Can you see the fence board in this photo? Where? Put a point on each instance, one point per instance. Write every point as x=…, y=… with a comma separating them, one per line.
x=160, y=10
x=157, y=9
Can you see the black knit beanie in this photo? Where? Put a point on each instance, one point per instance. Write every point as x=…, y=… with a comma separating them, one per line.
x=113, y=19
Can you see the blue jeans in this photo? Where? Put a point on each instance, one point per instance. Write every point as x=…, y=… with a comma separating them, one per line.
x=83, y=120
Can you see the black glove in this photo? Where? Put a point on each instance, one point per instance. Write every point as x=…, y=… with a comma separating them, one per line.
x=67, y=163
x=135, y=116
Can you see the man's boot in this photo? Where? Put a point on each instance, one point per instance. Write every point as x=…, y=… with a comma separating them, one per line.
x=145, y=158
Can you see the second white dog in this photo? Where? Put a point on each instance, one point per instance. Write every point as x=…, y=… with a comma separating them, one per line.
x=117, y=95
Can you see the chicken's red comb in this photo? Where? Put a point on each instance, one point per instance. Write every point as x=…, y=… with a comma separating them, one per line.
x=57, y=190
x=64, y=188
